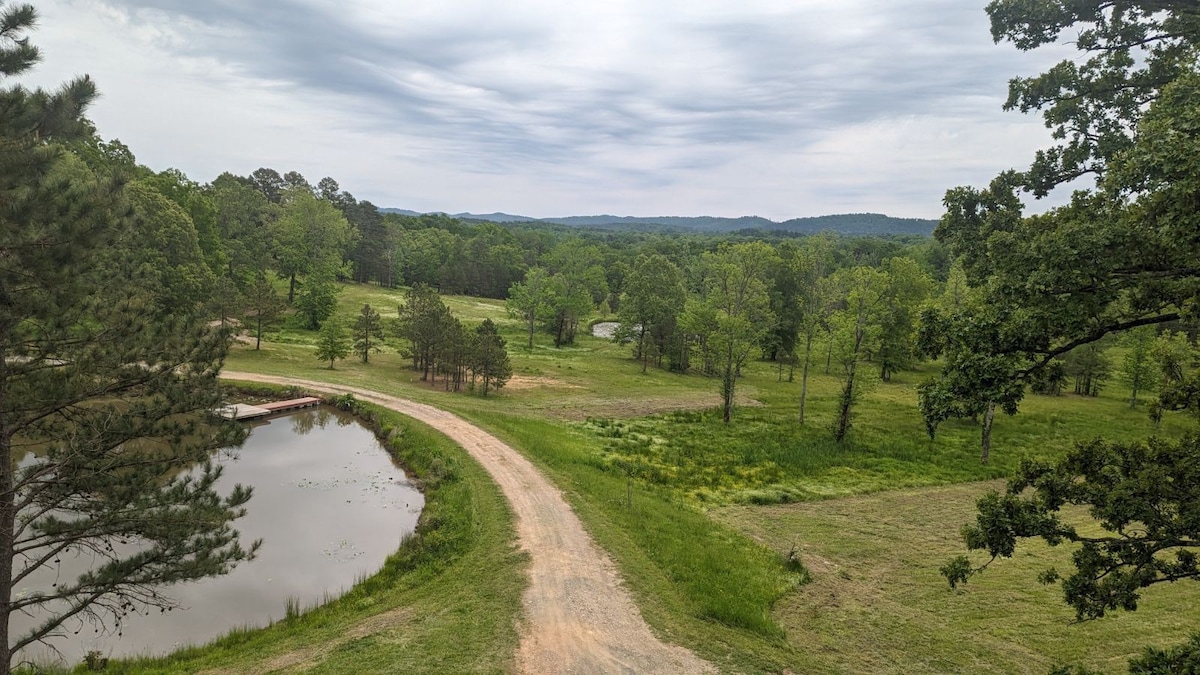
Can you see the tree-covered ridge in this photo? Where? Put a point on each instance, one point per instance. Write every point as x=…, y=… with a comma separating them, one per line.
x=854, y=224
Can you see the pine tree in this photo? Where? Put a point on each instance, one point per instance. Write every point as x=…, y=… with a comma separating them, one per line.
x=368, y=325
x=420, y=321
x=116, y=396
x=263, y=306
x=332, y=343
x=490, y=359
x=453, y=352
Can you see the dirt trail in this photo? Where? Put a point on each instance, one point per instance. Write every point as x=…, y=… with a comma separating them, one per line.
x=579, y=618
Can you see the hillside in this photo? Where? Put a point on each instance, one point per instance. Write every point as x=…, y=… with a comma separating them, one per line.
x=849, y=223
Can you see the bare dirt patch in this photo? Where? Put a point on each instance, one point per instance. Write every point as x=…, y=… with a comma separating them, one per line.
x=578, y=615
x=520, y=382
x=579, y=409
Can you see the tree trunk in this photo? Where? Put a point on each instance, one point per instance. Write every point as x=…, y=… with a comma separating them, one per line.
x=804, y=378
x=8, y=517
x=986, y=440
x=829, y=354
x=642, y=349
x=843, y=423
x=727, y=385
x=258, y=333
x=292, y=288
x=1133, y=396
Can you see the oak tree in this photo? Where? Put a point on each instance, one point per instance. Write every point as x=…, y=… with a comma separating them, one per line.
x=1141, y=496
x=531, y=299
x=856, y=330
x=1119, y=256
x=654, y=296
x=736, y=298
x=368, y=332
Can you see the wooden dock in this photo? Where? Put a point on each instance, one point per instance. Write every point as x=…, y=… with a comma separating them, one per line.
x=245, y=411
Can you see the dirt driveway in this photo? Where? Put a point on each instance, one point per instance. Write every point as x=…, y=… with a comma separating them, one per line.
x=579, y=618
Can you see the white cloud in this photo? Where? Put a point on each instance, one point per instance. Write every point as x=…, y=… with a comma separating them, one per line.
x=771, y=107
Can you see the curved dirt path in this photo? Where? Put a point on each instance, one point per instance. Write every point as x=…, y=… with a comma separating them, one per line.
x=579, y=618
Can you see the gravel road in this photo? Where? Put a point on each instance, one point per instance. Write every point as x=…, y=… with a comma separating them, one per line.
x=579, y=617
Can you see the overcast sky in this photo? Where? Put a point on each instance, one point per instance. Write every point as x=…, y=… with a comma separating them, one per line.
x=777, y=108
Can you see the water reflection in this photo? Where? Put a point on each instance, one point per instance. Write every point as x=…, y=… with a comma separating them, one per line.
x=329, y=506
x=316, y=418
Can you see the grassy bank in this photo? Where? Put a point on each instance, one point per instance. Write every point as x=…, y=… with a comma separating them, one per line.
x=448, y=601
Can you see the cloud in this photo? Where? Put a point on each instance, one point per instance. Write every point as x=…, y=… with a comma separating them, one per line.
x=553, y=108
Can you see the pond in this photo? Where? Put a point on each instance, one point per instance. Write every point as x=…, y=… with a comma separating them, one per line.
x=329, y=504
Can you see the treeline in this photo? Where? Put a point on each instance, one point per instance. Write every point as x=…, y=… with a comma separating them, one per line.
x=688, y=303
x=740, y=300
x=698, y=303
x=248, y=227
x=269, y=218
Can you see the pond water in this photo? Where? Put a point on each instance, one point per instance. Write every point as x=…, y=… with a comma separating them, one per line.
x=329, y=504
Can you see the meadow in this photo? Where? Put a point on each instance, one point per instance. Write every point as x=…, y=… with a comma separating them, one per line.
x=761, y=545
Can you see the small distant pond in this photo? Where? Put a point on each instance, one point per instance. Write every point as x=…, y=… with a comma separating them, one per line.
x=329, y=504
x=605, y=329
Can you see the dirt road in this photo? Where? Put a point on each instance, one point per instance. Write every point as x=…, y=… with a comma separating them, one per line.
x=579, y=618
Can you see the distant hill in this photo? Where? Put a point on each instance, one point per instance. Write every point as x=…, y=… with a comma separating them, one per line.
x=861, y=223
x=850, y=223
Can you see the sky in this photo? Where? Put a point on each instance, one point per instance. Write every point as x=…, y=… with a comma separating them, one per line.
x=545, y=108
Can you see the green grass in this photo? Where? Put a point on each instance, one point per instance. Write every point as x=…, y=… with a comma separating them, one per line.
x=600, y=428
x=448, y=601
x=698, y=582
x=877, y=602
x=765, y=456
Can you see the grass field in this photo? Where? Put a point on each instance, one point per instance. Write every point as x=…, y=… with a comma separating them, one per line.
x=694, y=512
x=876, y=602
